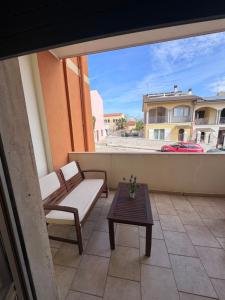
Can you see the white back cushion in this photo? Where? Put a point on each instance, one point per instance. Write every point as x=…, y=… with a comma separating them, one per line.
x=49, y=184
x=69, y=170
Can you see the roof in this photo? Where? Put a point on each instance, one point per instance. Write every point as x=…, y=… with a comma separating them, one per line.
x=167, y=98
x=131, y=123
x=212, y=98
x=113, y=115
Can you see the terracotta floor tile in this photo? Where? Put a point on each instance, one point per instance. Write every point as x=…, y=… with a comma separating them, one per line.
x=191, y=277
x=185, y=296
x=179, y=243
x=64, y=277
x=166, y=208
x=172, y=223
x=219, y=286
x=159, y=256
x=127, y=235
x=98, y=244
x=201, y=236
x=216, y=226
x=91, y=275
x=123, y=289
x=158, y=284
x=189, y=218
x=125, y=263
x=213, y=260
x=81, y=296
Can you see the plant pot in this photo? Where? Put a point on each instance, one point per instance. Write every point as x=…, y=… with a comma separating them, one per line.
x=132, y=195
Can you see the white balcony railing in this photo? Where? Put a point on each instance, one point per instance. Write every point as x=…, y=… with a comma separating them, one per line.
x=158, y=119
x=182, y=119
x=204, y=121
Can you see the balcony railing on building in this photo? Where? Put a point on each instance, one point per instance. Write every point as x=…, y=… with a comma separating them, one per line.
x=158, y=119
x=222, y=120
x=204, y=121
x=180, y=119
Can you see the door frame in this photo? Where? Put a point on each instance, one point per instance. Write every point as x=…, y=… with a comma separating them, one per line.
x=11, y=237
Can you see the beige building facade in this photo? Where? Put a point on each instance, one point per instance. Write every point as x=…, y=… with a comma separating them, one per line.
x=182, y=116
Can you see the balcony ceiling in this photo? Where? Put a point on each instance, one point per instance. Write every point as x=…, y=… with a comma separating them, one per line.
x=26, y=27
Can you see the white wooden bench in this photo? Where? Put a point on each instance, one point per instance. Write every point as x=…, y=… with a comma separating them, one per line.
x=68, y=197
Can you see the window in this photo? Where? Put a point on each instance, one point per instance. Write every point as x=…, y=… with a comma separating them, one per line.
x=181, y=111
x=101, y=132
x=159, y=134
x=200, y=114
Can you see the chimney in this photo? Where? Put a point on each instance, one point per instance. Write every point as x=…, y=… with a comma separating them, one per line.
x=175, y=88
x=190, y=91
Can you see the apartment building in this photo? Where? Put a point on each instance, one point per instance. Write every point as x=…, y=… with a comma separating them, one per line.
x=98, y=116
x=112, y=120
x=182, y=116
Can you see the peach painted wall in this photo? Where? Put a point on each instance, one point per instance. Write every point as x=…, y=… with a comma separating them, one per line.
x=67, y=105
x=55, y=101
x=74, y=98
x=90, y=145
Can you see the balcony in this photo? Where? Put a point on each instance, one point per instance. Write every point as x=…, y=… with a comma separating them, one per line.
x=186, y=256
x=204, y=121
x=158, y=119
x=182, y=119
x=222, y=120
x=188, y=233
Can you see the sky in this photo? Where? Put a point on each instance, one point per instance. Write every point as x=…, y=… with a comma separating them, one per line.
x=123, y=76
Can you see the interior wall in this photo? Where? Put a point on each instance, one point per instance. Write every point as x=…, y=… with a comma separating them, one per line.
x=182, y=173
x=30, y=95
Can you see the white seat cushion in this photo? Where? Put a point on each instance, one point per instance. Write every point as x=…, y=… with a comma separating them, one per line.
x=70, y=170
x=81, y=198
x=49, y=184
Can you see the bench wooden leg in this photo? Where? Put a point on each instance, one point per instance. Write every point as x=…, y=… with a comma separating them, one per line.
x=78, y=232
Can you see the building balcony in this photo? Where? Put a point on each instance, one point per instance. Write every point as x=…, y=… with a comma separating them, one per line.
x=186, y=247
x=183, y=119
x=158, y=119
x=222, y=120
x=204, y=121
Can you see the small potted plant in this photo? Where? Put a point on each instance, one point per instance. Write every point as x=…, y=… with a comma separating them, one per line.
x=132, y=186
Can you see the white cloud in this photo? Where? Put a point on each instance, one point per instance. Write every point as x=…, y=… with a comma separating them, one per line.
x=186, y=49
x=218, y=85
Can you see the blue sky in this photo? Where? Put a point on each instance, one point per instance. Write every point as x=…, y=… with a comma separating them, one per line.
x=123, y=76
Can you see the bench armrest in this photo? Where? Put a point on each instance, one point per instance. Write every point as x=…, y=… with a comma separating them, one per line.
x=96, y=171
x=69, y=209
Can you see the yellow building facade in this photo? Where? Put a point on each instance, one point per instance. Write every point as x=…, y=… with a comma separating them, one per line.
x=111, y=121
x=179, y=116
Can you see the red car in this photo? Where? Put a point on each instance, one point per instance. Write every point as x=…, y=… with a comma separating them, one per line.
x=183, y=147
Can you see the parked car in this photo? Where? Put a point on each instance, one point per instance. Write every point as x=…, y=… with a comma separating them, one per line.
x=216, y=150
x=183, y=147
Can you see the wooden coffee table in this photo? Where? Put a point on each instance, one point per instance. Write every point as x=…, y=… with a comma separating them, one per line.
x=131, y=211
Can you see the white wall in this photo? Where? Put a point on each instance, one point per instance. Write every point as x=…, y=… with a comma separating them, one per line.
x=30, y=94
x=183, y=173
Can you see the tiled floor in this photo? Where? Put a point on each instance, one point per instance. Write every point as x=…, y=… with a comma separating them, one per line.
x=187, y=260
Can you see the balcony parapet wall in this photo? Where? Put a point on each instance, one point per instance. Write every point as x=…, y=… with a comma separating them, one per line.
x=201, y=174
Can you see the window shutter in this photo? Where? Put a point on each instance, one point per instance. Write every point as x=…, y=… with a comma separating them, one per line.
x=151, y=134
x=167, y=133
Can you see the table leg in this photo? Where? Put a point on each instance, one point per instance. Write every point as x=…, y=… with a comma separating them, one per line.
x=148, y=244
x=111, y=234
